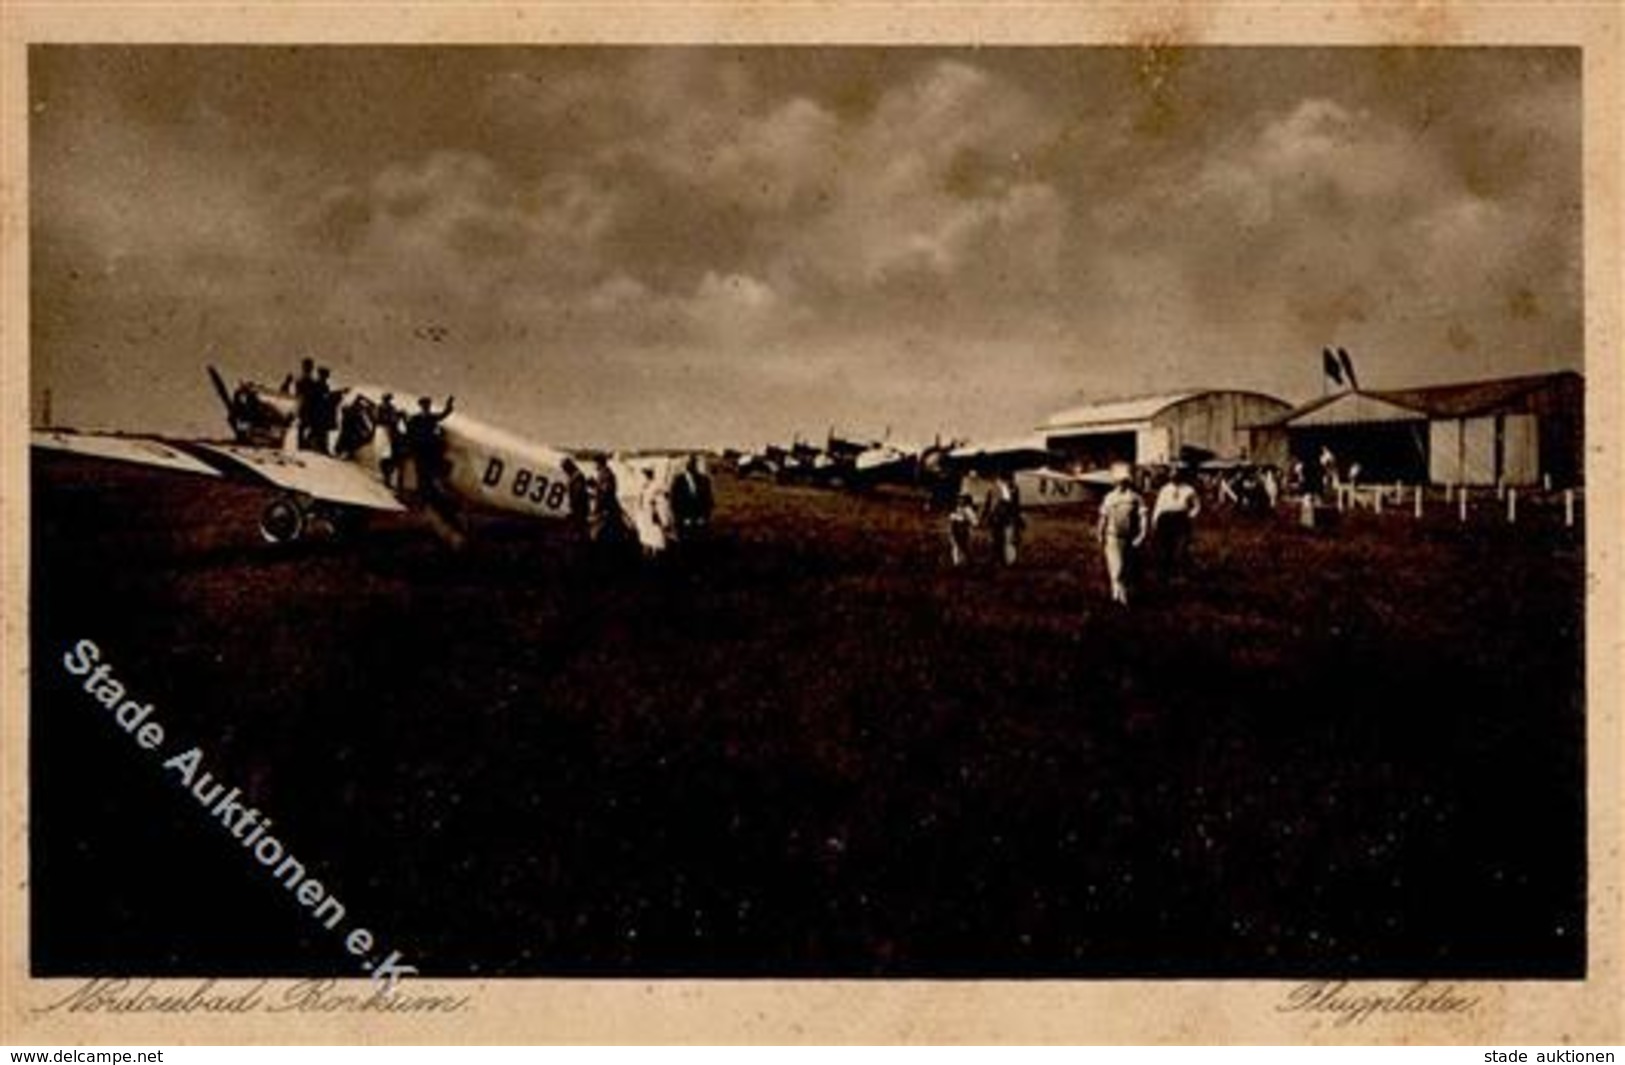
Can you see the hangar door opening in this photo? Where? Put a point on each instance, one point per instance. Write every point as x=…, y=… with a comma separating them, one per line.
x=1385, y=451
x=1097, y=451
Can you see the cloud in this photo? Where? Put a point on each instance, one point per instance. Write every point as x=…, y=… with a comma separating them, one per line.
x=1318, y=222
x=960, y=231
x=455, y=222
x=733, y=215
x=735, y=305
x=784, y=161
x=933, y=203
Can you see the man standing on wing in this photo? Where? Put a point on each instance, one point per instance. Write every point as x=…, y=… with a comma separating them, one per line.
x=426, y=443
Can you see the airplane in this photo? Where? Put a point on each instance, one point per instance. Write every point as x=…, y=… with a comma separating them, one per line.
x=941, y=467
x=845, y=460
x=811, y=463
x=1030, y=463
x=746, y=463
x=887, y=461
x=800, y=462
x=320, y=495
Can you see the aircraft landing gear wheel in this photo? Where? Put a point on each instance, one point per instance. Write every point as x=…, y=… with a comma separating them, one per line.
x=321, y=524
x=282, y=521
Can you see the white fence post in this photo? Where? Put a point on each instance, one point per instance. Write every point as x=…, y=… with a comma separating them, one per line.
x=1512, y=506
x=1461, y=502
x=1568, y=508
x=1419, y=502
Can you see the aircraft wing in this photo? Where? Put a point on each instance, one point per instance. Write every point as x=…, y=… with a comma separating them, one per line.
x=316, y=475
x=1101, y=479
x=1016, y=453
x=1045, y=487
x=141, y=450
x=319, y=476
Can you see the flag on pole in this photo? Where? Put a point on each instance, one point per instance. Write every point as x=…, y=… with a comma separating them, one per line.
x=1329, y=362
x=1348, y=368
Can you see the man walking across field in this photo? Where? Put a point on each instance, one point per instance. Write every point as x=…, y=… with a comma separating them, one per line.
x=1121, y=530
x=1002, y=514
x=1172, y=521
x=961, y=520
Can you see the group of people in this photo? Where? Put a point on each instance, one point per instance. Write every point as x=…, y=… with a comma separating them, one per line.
x=317, y=406
x=1000, y=512
x=1326, y=478
x=414, y=455
x=1122, y=530
x=663, y=512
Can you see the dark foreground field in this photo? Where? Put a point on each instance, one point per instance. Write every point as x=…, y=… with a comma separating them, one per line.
x=811, y=750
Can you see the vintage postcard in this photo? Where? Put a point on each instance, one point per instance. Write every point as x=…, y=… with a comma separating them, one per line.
x=812, y=523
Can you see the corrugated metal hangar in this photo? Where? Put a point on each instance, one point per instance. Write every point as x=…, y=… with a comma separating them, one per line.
x=1189, y=426
x=1514, y=430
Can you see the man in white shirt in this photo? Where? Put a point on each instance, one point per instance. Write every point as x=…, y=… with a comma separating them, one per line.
x=1172, y=519
x=1001, y=512
x=1121, y=530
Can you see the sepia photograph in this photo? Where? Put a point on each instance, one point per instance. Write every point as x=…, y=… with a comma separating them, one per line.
x=768, y=512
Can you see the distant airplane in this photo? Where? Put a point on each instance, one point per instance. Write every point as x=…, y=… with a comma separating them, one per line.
x=858, y=462
x=485, y=468
x=866, y=462
x=797, y=462
x=1030, y=463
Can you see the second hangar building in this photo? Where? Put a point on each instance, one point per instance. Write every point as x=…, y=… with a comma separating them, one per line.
x=1511, y=430
x=1189, y=426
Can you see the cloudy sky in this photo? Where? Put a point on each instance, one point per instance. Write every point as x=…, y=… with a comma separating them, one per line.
x=646, y=246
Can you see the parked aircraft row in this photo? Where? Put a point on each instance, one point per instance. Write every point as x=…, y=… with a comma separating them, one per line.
x=483, y=468
x=940, y=468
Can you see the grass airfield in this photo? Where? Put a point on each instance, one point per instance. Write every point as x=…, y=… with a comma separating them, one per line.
x=810, y=748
